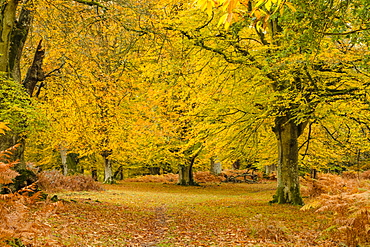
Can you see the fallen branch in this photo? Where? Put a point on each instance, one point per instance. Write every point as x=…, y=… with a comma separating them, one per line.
x=234, y=179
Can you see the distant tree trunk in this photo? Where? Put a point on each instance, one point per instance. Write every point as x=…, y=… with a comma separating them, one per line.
x=314, y=173
x=108, y=171
x=236, y=164
x=287, y=133
x=216, y=166
x=73, y=163
x=118, y=175
x=63, y=156
x=94, y=173
x=186, y=176
x=155, y=170
x=270, y=168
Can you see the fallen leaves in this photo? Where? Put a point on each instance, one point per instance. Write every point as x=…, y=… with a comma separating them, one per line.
x=147, y=214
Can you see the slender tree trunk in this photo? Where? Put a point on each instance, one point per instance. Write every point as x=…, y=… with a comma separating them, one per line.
x=108, y=171
x=216, y=166
x=94, y=173
x=287, y=133
x=63, y=156
x=118, y=175
x=35, y=73
x=270, y=168
x=314, y=173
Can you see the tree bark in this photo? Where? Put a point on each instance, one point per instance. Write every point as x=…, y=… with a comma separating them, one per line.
x=13, y=34
x=18, y=39
x=287, y=133
x=35, y=73
x=216, y=166
x=7, y=19
x=63, y=156
x=270, y=169
x=186, y=176
x=108, y=171
x=118, y=175
x=94, y=173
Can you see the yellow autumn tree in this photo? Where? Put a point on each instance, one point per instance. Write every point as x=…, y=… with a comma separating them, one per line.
x=306, y=53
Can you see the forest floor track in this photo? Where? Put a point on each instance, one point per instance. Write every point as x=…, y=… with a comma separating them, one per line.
x=153, y=214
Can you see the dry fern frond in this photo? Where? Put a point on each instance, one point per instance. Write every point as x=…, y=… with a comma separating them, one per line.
x=6, y=154
x=349, y=202
x=54, y=181
x=29, y=188
x=23, y=219
x=6, y=173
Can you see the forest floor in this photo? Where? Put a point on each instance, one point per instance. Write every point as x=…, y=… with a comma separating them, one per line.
x=157, y=214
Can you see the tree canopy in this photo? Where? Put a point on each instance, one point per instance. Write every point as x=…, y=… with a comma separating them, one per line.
x=171, y=85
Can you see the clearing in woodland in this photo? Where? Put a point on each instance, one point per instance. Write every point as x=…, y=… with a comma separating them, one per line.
x=157, y=214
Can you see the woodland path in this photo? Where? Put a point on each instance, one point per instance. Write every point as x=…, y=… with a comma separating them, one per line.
x=148, y=214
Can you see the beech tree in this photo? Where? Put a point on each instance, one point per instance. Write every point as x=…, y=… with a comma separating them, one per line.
x=15, y=21
x=307, y=51
x=93, y=102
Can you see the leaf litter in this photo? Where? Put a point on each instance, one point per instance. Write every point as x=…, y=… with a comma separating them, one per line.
x=155, y=214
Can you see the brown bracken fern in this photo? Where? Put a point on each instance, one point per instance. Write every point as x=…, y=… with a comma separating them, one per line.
x=348, y=201
x=21, y=218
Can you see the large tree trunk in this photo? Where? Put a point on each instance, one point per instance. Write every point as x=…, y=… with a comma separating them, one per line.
x=186, y=176
x=13, y=34
x=7, y=20
x=18, y=39
x=287, y=133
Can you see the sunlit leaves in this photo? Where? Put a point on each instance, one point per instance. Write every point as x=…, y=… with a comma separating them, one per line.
x=235, y=9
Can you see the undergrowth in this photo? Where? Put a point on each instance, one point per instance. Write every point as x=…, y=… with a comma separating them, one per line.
x=199, y=177
x=54, y=181
x=22, y=214
x=347, y=199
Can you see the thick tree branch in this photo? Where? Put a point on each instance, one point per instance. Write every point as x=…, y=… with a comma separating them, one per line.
x=35, y=72
x=307, y=141
x=346, y=33
x=91, y=3
x=200, y=43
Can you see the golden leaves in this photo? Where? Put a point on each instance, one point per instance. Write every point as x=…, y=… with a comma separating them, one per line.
x=262, y=10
